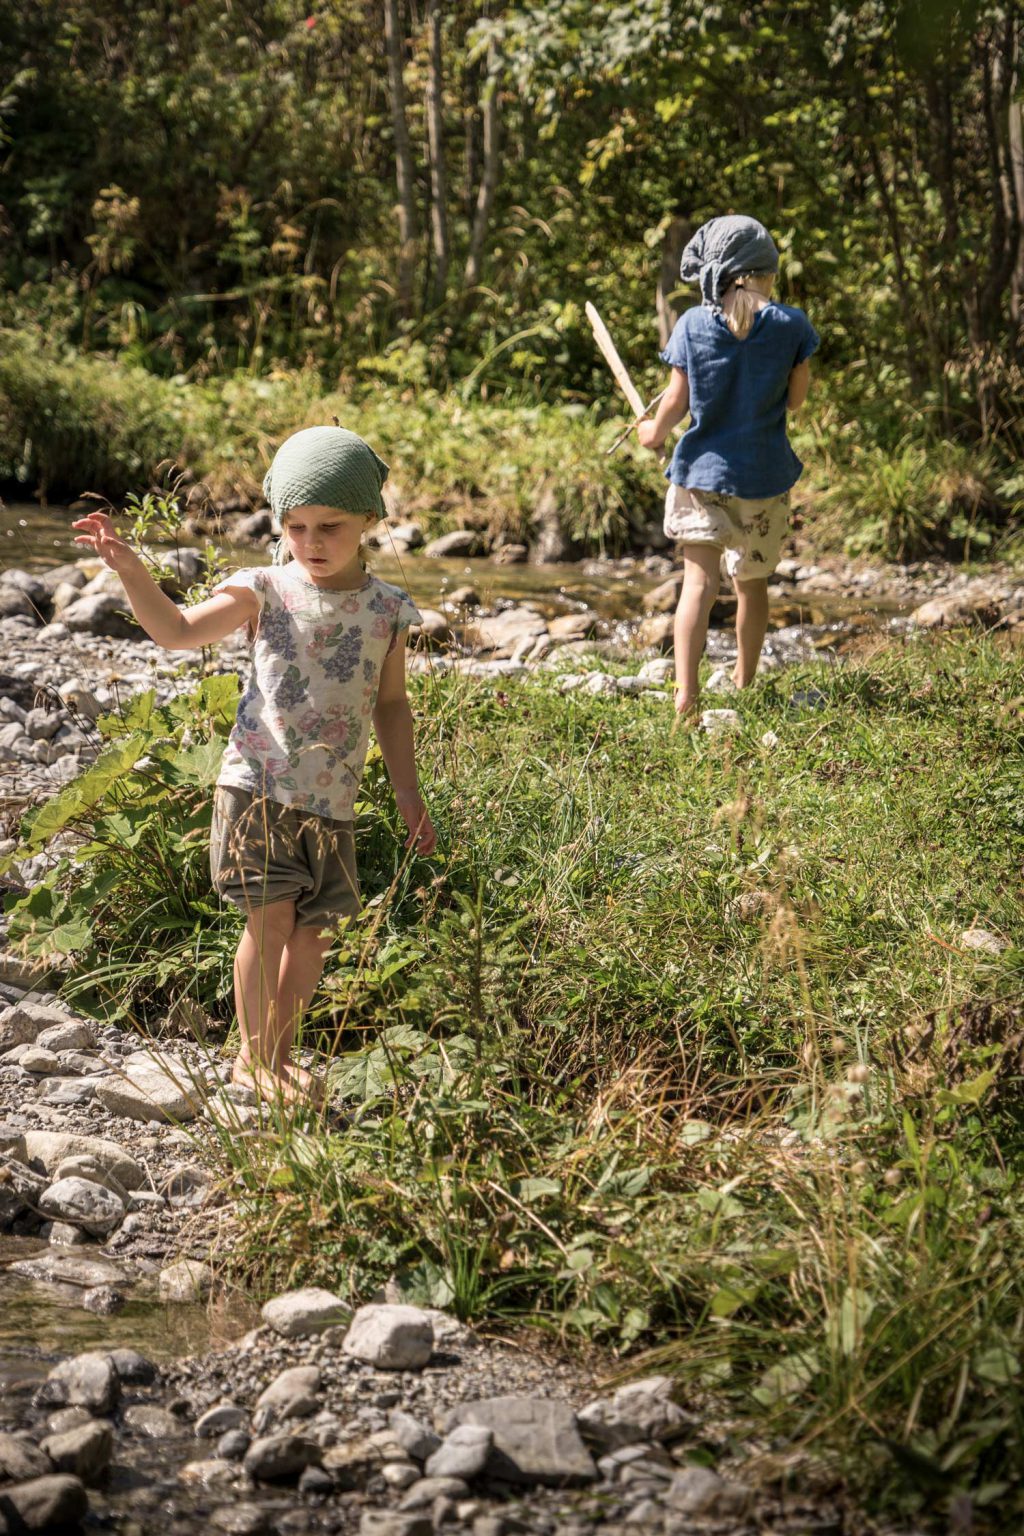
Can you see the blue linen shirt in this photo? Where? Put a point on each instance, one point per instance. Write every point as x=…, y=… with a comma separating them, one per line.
x=736, y=442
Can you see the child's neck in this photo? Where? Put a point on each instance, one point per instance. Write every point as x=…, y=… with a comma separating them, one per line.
x=349, y=579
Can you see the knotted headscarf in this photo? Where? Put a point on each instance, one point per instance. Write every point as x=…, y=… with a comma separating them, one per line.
x=325, y=467
x=722, y=249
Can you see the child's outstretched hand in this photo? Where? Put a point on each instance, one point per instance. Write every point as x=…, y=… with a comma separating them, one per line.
x=99, y=533
x=413, y=812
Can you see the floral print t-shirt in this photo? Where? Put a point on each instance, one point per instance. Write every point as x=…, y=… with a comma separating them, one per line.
x=303, y=722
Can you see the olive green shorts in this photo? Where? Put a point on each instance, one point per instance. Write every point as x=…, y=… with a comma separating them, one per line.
x=262, y=852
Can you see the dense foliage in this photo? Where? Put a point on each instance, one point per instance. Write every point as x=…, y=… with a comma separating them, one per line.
x=212, y=185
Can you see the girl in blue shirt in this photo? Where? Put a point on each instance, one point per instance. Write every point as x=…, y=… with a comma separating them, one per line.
x=739, y=363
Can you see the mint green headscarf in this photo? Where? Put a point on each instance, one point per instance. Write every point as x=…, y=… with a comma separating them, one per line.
x=325, y=467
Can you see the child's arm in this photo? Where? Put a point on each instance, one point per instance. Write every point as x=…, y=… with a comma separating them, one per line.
x=675, y=403
x=176, y=629
x=799, y=384
x=392, y=720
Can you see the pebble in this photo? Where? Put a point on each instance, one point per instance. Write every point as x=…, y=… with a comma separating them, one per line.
x=279, y=1456
x=48, y=1503
x=292, y=1395
x=220, y=1420
x=152, y=1422
x=88, y=1380
x=85, y=1451
x=700, y=1492
x=983, y=942
x=19, y=1460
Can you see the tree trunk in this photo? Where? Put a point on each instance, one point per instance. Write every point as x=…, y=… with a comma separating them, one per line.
x=403, y=158
x=669, y=281
x=435, y=146
x=489, y=179
x=1016, y=141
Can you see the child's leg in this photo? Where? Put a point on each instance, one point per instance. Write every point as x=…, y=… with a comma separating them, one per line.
x=302, y=964
x=257, y=968
x=751, y=627
x=700, y=588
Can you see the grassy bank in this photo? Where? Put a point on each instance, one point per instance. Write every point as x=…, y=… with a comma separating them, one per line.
x=877, y=481
x=676, y=1045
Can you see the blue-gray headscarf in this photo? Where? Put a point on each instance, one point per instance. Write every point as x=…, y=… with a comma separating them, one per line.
x=722, y=249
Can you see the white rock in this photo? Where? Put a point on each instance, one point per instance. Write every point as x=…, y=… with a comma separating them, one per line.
x=152, y=1093
x=72, y=1035
x=187, y=1280
x=88, y=1380
x=657, y=671
x=294, y=1394
x=297, y=1313
x=770, y=739
x=701, y=1492
x=979, y=939
x=463, y=1453
x=36, y=1060
x=719, y=722
x=721, y=681
x=396, y=1338
x=52, y=1148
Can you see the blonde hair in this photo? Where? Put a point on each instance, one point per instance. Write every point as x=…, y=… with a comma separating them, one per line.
x=739, y=317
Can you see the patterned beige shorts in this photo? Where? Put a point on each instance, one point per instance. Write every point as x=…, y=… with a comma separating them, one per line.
x=750, y=532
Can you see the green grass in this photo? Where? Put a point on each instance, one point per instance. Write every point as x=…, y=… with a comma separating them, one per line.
x=71, y=424
x=675, y=1046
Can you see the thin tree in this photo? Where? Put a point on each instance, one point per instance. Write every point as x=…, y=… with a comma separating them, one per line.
x=489, y=178
x=435, y=148
x=407, y=231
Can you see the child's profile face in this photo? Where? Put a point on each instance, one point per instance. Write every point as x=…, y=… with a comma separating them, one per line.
x=325, y=541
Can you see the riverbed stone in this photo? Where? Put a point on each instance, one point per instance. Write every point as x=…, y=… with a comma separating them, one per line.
x=83, y=1166
x=71, y=1269
x=88, y=1380
x=64, y=1235
x=47, y=1503
x=20, y=1190
x=535, y=1440
x=22, y=1023
x=640, y=1411
x=414, y=1438
x=85, y=1451
x=463, y=1452
x=273, y=1457
x=500, y=633
x=20, y=1460
x=93, y=1207
x=393, y=1338
x=292, y=1395
x=66, y=1092
x=149, y=1094
x=983, y=942
x=386, y=1522
x=461, y=541
x=187, y=1280
x=51, y=1148
x=699, y=1492
x=244, y=1520
x=295, y=1314
x=221, y=1419
x=186, y=1187
x=211, y=1473
x=133, y=1369
x=719, y=722
x=153, y=1422
x=421, y=1494
x=104, y=1300
x=72, y=1035
x=100, y=613
x=41, y=1062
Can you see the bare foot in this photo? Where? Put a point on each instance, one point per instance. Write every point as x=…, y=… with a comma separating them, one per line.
x=265, y=1082
x=686, y=707
x=310, y=1086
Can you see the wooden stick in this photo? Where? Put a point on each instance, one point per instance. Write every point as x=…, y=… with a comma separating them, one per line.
x=627, y=430
x=614, y=361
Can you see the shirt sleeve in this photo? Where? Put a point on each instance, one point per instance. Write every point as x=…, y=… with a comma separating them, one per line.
x=810, y=341
x=675, y=354
x=252, y=578
x=406, y=615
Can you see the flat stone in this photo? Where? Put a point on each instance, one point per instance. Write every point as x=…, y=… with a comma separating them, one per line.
x=294, y=1314
x=573, y=626
x=90, y=1169
x=294, y=1394
x=67, y=1418
x=273, y=1457
x=88, y=1380
x=642, y=1410
x=72, y=1035
x=20, y=1460
x=48, y=1503
x=244, y=1520
x=415, y=1438
x=66, y=1092
x=103, y=1300
x=400, y=1474
x=101, y=613
x=463, y=1454
x=983, y=942
x=220, y=1420
x=461, y=541
x=153, y=1422
x=71, y=1269
x=535, y=1440
x=51, y=1148
x=212, y=1473
x=93, y=1207
x=499, y=633
x=41, y=1062
x=395, y=1338
x=149, y=1095
x=233, y=1444
x=719, y=722
x=699, y=1491
x=423, y=1493
x=187, y=1280
x=85, y=1451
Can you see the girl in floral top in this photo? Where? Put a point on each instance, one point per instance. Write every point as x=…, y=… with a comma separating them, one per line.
x=328, y=658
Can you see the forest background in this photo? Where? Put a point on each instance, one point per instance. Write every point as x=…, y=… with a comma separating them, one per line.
x=249, y=207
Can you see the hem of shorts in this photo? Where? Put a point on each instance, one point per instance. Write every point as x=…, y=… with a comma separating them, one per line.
x=289, y=805
x=246, y=903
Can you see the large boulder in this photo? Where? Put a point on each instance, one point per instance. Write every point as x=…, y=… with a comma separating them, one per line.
x=393, y=1338
x=89, y=1380
x=502, y=632
x=296, y=1314
x=461, y=541
x=150, y=1089
x=51, y=1148
x=535, y=1440
x=101, y=614
x=91, y=1207
x=56, y=1503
